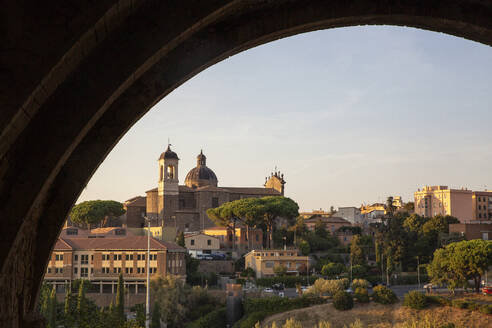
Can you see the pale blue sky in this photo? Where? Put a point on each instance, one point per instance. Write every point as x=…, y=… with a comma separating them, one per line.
x=350, y=115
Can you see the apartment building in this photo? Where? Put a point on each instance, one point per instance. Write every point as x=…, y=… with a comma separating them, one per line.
x=473, y=230
x=482, y=205
x=263, y=262
x=101, y=257
x=464, y=204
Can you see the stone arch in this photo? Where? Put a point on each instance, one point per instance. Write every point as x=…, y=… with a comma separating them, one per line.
x=79, y=77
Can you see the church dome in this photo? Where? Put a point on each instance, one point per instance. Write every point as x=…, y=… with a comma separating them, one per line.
x=168, y=154
x=201, y=175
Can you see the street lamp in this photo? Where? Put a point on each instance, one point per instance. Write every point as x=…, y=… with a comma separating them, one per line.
x=147, y=298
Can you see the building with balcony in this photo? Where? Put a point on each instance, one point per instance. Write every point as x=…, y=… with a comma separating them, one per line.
x=263, y=262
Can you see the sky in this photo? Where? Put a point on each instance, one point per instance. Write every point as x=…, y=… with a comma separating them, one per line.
x=349, y=115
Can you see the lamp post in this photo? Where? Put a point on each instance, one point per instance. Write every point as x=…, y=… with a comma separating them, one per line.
x=147, y=297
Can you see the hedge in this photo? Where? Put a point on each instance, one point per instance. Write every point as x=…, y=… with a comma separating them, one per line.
x=384, y=295
x=288, y=281
x=215, y=319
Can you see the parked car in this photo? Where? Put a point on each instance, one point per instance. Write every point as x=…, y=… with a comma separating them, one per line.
x=487, y=290
x=268, y=290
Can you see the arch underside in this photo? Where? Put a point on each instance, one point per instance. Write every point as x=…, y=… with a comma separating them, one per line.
x=80, y=79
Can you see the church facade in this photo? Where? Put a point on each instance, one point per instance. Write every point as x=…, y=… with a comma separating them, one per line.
x=184, y=206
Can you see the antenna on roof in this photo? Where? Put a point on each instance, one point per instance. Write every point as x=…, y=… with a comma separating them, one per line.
x=168, y=142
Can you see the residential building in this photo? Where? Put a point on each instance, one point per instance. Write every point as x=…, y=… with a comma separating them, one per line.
x=201, y=242
x=351, y=214
x=482, y=205
x=332, y=224
x=263, y=262
x=100, y=257
x=184, y=207
x=473, y=229
x=243, y=243
x=434, y=200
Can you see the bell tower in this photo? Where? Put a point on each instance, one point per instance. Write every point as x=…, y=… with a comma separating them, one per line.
x=168, y=173
x=276, y=181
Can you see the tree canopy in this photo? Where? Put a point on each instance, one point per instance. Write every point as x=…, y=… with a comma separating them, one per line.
x=459, y=262
x=255, y=212
x=96, y=211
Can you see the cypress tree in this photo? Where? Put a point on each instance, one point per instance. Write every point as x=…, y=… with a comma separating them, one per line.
x=67, y=311
x=156, y=316
x=52, y=309
x=81, y=311
x=120, y=300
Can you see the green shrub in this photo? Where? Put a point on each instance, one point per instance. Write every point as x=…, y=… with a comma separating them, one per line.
x=384, y=295
x=486, y=309
x=279, y=304
x=214, y=319
x=343, y=301
x=460, y=304
x=415, y=300
x=439, y=300
x=250, y=320
x=360, y=283
x=473, y=306
x=361, y=295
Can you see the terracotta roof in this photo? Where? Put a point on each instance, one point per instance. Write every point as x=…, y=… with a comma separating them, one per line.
x=333, y=219
x=210, y=188
x=117, y=243
x=252, y=190
x=136, y=201
x=62, y=245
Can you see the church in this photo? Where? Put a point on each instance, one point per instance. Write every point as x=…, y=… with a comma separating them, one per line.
x=184, y=207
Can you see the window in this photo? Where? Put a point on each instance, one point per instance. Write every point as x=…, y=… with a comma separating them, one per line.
x=479, y=207
x=209, y=242
x=72, y=231
x=257, y=237
x=58, y=270
x=129, y=257
x=76, y=258
x=215, y=202
x=75, y=270
x=269, y=264
x=49, y=270
x=485, y=235
x=105, y=270
x=117, y=257
x=105, y=257
x=153, y=257
x=59, y=257
x=170, y=171
x=152, y=270
x=92, y=270
x=116, y=270
x=161, y=173
x=479, y=215
x=141, y=257
x=182, y=203
x=84, y=259
x=128, y=270
x=84, y=272
x=140, y=270
x=192, y=242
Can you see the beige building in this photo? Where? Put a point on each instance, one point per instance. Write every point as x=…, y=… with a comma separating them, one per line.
x=102, y=254
x=464, y=204
x=184, y=207
x=263, y=262
x=201, y=241
x=332, y=224
x=242, y=242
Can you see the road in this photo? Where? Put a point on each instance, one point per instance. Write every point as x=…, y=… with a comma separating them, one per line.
x=399, y=290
